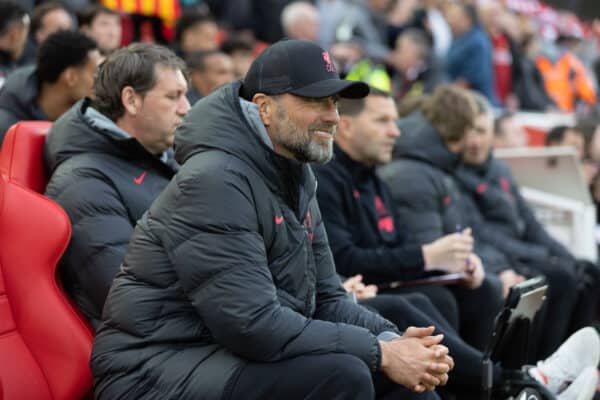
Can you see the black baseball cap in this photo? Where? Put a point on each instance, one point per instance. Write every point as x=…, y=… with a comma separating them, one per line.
x=298, y=67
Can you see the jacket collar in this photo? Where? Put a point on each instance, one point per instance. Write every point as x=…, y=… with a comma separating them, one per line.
x=360, y=172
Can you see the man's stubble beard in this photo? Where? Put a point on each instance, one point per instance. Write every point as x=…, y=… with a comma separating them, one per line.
x=301, y=143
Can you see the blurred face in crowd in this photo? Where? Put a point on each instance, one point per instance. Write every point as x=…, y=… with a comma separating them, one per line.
x=202, y=36
x=369, y=136
x=106, y=30
x=242, y=60
x=53, y=21
x=305, y=23
x=218, y=71
x=300, y=128
x=479, y=140
x=17, y=37
x=457, y=19
x=511, y=135
x=159, y=112
x=84, y=76
x=573, y=138
x=407, y=54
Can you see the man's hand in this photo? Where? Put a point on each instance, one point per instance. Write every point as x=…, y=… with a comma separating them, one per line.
x=362, y=292
x=509, y=278
x=475, y=272
x=449, y=253
x=417, y=360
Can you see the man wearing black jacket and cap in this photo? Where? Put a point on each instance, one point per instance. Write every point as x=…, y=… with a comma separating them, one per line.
x=228, y=289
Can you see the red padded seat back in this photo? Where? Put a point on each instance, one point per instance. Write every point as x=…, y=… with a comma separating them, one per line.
x=44, y=344
x=21, y=156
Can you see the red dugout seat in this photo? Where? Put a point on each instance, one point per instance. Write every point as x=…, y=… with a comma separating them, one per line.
x=44, y=343
x=21, y=159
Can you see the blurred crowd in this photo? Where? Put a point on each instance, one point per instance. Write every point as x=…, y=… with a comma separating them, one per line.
x=522, y=55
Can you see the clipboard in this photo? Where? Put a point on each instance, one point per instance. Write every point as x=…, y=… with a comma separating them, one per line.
x=439, y=280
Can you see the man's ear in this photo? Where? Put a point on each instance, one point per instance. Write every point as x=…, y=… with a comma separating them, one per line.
x=70, y=76
x=266, y=107
x=344, y=128
x=130, y=100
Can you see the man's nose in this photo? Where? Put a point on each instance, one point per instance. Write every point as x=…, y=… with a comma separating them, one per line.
x=184, y=106
x=330, y=114
x=393, y=130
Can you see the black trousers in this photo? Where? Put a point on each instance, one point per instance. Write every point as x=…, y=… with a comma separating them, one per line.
x=316, y=377
x=415, y=309
x=471, y=312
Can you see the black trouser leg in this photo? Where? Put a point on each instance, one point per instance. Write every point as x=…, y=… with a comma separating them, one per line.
x=327, y=376
x=478, y=309
x=442, y=299
x=585, y=311
x=561, y=298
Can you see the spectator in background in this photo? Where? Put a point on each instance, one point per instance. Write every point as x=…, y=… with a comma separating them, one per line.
x=101, y=24
x=63, y=74
x=566, y=78
x=208, y=70
x=469, y=61
x=265, y=19
x=108, y=158
x=508, y=132
x=195, y=31
x=567, y=136
x=362, y=23
x=240, y=48
x=503, y=57
x=47, y=18
x=300, y=20
x=440, y=31
x=528, y=83
x=414, y=72
x=14, y=27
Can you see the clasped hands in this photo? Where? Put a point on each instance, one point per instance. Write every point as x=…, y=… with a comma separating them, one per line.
x=417, y=360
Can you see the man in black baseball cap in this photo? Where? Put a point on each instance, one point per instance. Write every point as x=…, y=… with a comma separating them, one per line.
x=298, y=67
x=239, y=294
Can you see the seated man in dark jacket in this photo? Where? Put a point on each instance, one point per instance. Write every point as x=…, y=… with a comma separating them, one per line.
x=364, y=232
x=228, y=289
x=427, y=200
x=351, y=197
x=109, y=157
x=63, y=74
x=502, y=219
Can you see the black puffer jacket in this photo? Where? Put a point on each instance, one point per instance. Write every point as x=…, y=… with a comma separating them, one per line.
x=507, y=222
x=365, y=234
x=428, y=200
x=420, y=180
x=105, y=181
x=18, y=99
x=231, y=264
